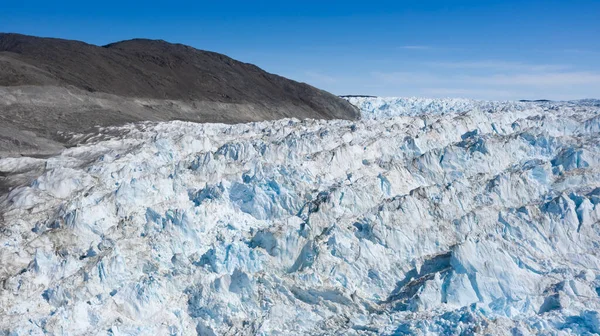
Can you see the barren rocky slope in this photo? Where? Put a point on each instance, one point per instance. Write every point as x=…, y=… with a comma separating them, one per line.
x=50, y=85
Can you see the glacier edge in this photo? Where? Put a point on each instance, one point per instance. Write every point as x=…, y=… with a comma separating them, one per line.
x=425, y=217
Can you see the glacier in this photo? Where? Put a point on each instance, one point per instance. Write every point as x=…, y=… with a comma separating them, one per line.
x=425, y=217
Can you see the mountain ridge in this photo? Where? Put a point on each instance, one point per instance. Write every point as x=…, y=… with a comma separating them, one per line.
x=139, y=80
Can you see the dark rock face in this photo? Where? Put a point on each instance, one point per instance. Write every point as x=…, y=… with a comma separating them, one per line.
x=51, y=85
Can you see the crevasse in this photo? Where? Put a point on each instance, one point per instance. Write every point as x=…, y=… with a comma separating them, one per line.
x=425, y=217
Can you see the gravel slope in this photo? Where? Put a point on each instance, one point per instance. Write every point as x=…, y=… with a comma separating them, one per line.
x=50, y=85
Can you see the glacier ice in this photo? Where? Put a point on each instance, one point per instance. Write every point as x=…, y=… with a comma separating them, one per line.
x=441, y=216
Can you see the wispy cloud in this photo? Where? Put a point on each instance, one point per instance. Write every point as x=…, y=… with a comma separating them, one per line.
x=480, y=79
x=407, y=77
x=499, y=66
x=446, y=92
x=519, y=85
x=581, y=51
x=528, y=79
x=315, y=76
x=425, y=47
x=541, y=79
x=416, y=47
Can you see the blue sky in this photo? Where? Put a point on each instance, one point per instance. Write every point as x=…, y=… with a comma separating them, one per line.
x=475, y=49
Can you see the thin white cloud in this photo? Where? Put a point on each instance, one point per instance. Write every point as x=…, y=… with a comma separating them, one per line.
x=452, y=92
x=407, y=77
x=527, y=79
x=526, y=85
x=498, y=66
x=315, y=76
x=416, y=47
x=581, y=51
x=539, y=79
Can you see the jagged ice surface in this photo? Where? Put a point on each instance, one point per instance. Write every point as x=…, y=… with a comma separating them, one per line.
x=426, y=217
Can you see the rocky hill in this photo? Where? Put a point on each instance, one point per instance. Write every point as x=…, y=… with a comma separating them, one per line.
x=52, y=86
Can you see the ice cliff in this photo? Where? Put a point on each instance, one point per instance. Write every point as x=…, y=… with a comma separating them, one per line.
x=426, y=217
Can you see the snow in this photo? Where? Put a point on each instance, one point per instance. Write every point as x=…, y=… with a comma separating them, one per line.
x=441, y=216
